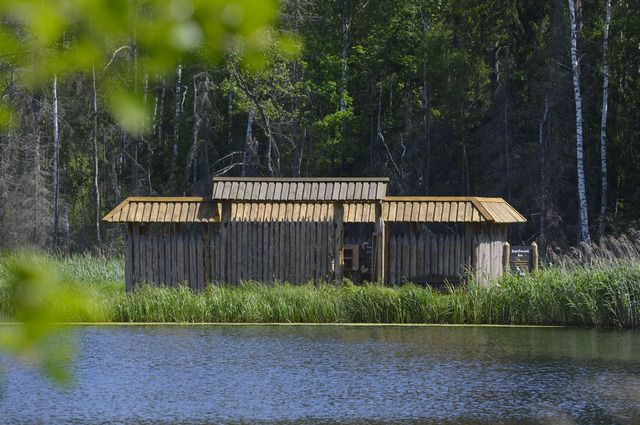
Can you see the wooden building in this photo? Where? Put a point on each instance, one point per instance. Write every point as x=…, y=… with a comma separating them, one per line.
x=305, y=229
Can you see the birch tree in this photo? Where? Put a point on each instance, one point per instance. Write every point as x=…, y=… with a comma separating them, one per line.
x=575, y=66
x=56, y=161
x=603, y=118
x=94, y=136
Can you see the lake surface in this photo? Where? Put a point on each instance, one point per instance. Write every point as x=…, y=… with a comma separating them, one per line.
x=335, y=374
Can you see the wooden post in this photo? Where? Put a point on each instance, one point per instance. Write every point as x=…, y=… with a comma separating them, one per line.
x=534, y=256
x=136, y=255
x=339, y=241
x=381, y=248
x=206, y=231
x=225, y=263
x=129, y=258
x=506, y=254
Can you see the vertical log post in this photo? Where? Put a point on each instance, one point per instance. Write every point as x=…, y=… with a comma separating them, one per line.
x=129, y=258
x=206, y=230
x=381, y=246
x=506, y=254
x=225, y=262
x=339, y=241
x=534, y=256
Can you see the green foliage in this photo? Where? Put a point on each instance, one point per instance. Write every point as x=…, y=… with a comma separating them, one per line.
x=71, y=37
x=36, y=297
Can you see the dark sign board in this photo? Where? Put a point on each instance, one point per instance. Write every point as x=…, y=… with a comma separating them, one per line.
x=520, y=259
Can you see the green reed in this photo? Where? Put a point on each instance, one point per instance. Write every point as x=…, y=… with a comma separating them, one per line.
x=599, y=295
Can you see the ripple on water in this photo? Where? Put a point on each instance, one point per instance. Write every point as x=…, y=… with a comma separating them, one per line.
x=336, y=375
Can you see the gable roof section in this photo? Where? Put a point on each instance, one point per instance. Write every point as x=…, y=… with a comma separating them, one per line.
x=456, y=209
x=280, y=189
x=164, y=210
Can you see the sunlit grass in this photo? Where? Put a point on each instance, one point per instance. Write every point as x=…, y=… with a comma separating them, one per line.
x=604, y=295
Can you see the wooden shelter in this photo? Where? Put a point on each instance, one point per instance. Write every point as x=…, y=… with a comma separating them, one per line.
x=305, y=229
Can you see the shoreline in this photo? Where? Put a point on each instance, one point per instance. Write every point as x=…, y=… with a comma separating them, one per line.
x=298, y=324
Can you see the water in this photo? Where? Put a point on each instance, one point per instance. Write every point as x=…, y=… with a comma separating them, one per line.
x=335, y=374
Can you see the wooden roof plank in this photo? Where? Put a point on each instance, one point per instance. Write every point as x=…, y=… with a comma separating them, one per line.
x=437, y=215
x=162, y=212
x=153, y=217
x=453, y=212
x=366, y=186
x=415, y=211
x=373, y=190
x=184, y=212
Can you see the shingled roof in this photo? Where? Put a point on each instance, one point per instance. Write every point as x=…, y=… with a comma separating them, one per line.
x=164, y=210
x=455, y=209
x=299, y=189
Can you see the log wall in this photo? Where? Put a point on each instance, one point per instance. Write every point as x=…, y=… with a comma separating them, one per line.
x=489, y=240
x=426, y=258
x=168, y=257
x=295, y=252
x=299, y=252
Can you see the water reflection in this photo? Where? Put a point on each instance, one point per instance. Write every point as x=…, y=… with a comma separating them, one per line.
x=338, y=375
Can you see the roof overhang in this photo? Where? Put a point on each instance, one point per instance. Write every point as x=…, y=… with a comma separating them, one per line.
x=164, y=210
x=449, y=209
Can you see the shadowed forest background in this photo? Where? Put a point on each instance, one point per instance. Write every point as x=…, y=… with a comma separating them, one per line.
x=446, y=97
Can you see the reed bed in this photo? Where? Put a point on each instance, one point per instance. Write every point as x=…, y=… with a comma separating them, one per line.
x=604, y=295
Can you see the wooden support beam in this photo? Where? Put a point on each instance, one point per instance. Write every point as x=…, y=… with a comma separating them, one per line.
x=535, y=256
x=129, y=259
x=381, y=246
x=506, y=254
x=338, y=221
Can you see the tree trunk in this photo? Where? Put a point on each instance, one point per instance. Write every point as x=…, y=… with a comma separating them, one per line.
x=541, y=161
x=247, y=162
x=582, y=192
x=603, y=120
x=160, y=127
x=193, y=149
x=176, y=124
x=425, y=99
x=345, y=55
x=56, y=167
x=96, y=188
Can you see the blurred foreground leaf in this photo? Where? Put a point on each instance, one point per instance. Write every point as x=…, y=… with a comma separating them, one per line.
x=41, y=301
x=125, y=39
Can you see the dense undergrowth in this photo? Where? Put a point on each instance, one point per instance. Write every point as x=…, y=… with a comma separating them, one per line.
x=603, y=295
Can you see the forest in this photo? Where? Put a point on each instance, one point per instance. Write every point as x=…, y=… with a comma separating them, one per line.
x=536, y=102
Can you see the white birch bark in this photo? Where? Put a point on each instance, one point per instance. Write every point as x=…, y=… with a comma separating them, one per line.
x=96, y=188
x=603, y=120
x=56, y=168
x=193, y=149
x=582, y=192
x=247, y=161
x=176, y=124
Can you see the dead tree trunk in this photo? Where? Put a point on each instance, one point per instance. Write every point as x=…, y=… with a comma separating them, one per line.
x=96, y=188
x=193, y=149
x=247, y=161
x=56, y=166
x=582, y=191
x=176, y=125
x=603, y=120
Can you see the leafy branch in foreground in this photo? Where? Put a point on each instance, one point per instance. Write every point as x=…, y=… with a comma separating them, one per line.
x=38, y=298
x=157, y=36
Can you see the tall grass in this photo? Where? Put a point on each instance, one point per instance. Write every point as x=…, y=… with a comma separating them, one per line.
x=595, y=295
